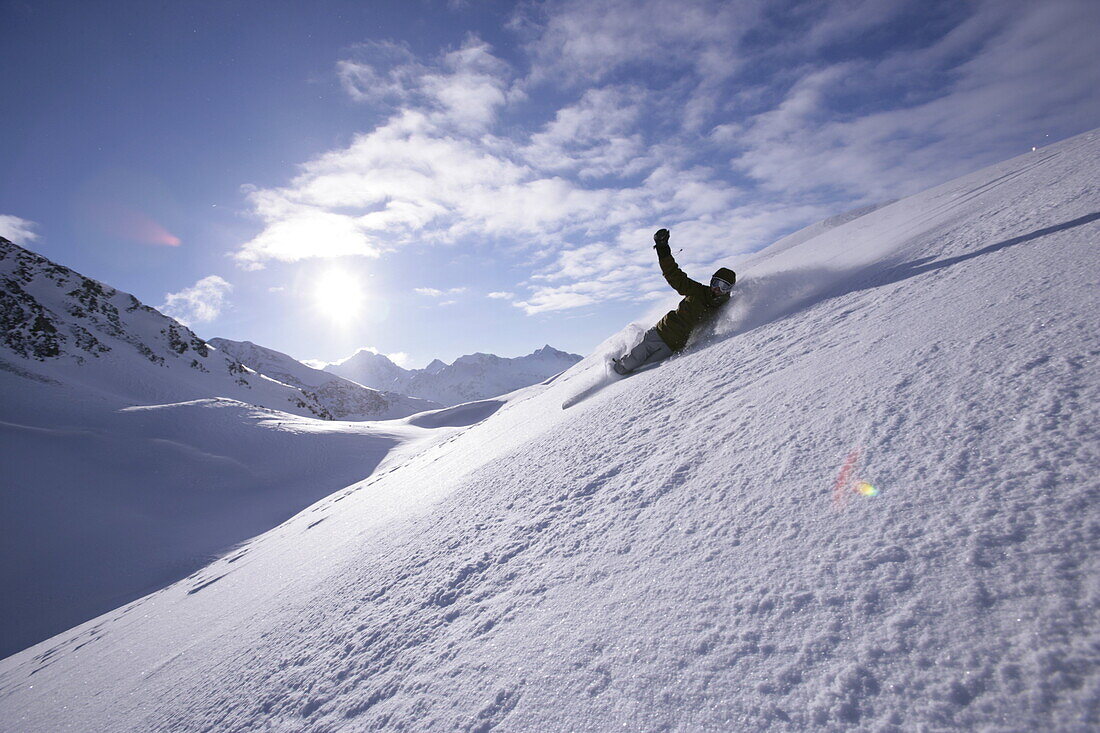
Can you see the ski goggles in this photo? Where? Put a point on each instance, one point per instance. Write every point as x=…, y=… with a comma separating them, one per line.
x=717, y=282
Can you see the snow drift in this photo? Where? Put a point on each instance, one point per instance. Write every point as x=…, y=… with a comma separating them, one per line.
x=685, y=549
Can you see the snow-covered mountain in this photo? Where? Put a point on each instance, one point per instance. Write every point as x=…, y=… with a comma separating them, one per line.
x=65, y=328
x=469, y=378
x=370, y=369
x=865, y=500
x=132, y=452
x=341, y=398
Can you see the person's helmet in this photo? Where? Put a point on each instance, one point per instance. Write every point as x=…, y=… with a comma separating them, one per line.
x=723, y=279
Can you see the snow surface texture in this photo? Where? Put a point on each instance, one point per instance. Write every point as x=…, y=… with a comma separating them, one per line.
x=684, y=550
x=471, y=377
x=343, y=399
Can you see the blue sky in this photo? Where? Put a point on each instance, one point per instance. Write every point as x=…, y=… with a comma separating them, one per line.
x=430, y=179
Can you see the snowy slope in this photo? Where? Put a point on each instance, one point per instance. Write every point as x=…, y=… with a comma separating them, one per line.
x=101, y=506
x=677, y=552
x=814, y=230
x=69, y=329
x=103, y=502
x=341, y=398
x=471, y=377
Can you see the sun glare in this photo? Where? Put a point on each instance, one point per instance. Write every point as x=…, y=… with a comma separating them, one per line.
x=338, y=296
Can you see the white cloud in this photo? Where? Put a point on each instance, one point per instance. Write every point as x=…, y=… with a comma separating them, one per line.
x=199, y=303
x=731, y=123
x=436, y=293
x=464, y=89
x=17, y=230
x=471, y=87
x=579, y=41
x=552, y=299
x=302, y=232
x=1004, y=54
x=400, y=358
x=597, y=136
x=427, y=175
x=380, y=72
x=501, y=295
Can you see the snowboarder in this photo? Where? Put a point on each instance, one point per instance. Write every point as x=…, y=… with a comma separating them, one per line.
x=671, y=333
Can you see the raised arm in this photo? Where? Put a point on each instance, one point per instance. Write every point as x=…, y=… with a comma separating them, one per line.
x=680, y=282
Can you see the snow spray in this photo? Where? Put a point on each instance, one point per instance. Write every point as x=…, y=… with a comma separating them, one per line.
x=846, y=482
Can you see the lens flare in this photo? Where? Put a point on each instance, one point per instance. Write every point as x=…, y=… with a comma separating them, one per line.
x=844, y=479
x=134, y=226
x=847, y=482
x=140, y=228
x=866, y=489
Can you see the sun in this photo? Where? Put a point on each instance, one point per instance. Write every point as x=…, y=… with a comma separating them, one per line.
x=338, y=296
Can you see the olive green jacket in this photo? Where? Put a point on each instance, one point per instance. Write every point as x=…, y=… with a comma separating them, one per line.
x=698, y=306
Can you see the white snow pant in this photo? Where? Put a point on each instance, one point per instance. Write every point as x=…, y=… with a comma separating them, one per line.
x=652, y=348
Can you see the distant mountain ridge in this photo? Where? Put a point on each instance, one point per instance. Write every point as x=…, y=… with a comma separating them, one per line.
x=471, y=377
x=344, y=399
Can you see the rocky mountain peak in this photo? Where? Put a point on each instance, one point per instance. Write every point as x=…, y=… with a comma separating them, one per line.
x=71, y=329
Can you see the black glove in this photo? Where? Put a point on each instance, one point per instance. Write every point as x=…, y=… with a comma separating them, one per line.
x=661, y=238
